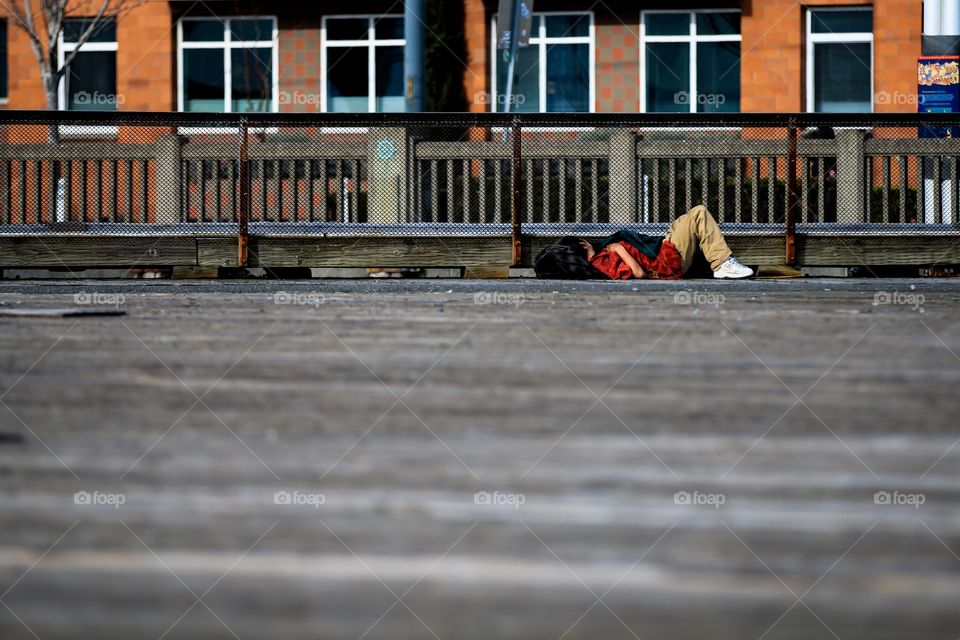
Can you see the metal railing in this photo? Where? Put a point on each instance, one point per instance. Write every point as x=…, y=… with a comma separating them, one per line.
x=316, y=174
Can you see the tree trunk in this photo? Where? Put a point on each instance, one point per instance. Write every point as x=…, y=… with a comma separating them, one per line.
x=50, y=82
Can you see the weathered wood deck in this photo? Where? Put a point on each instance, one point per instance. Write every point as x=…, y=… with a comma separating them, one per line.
x=595, y=403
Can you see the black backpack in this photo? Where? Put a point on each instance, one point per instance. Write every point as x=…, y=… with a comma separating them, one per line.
x=561, y=262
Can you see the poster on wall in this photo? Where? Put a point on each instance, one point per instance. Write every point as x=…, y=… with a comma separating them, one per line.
x=938, y=91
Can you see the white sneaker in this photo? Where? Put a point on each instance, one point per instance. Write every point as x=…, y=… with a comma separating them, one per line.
x=732, y=269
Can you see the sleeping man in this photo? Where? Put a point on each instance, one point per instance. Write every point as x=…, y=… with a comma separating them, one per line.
x=628, y=254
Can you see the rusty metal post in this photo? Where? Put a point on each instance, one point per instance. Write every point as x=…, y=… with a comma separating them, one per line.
x=515, y=209
x=793, y=202
x=243, y=215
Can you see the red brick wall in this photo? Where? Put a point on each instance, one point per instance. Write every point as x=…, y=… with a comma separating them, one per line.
x=617, y=57
x=476, y=78
x=299, y=67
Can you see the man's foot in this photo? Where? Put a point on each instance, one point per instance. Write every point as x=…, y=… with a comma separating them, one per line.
x=732, y=269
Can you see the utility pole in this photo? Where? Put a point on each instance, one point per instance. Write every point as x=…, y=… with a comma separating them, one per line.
x=413, y=62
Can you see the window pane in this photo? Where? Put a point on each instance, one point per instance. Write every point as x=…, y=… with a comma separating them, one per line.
x=718, y=74
x=842, y=21
x=841, y=76
x=202, y=31
x=526, y=81
x=347, y=28
x=261, y=29
x=390, y=96
x=203, y=80
x=568, y=26
x=668, y=77
x=252, y=79
x=92, y=81
x=105, y=31
x=347, y=80
x=668, y=24
x=717, y=24
x=568, y=77
x=388, y=28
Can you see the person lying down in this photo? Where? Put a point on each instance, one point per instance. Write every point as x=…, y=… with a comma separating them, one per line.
x=628, y=254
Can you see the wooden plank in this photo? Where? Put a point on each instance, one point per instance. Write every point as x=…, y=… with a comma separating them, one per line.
x=864, y=250
x=97, y=251
x=423, y=251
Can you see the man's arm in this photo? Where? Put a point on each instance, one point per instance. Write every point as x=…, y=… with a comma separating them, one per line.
x=628, y=259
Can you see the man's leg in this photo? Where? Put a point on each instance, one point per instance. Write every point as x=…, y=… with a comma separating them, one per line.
x=696, y=229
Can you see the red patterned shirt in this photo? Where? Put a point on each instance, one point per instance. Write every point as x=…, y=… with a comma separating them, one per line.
x=667, y=266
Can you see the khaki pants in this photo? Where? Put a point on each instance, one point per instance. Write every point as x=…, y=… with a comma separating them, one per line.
x=696, y=229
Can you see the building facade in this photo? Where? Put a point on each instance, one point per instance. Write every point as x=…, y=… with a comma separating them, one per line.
x=610, y=56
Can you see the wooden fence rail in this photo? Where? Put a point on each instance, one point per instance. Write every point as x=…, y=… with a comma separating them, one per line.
x=394, y=176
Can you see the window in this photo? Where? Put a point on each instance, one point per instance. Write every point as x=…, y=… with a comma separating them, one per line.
x=227, y=65
x=690, y=61
x=90, y=80
x=840, y=60
x=362, y=60
x=554, y=73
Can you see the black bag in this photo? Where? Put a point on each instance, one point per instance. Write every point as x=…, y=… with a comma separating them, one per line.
x=561, y=262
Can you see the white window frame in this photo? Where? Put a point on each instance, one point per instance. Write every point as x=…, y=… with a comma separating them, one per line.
x=64, y=47
x=227, y=45
x=542, y=42
x=691, y=38
x=371, y=43
x=855, y=37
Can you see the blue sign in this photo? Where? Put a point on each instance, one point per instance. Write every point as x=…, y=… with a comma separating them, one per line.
x=938, y=91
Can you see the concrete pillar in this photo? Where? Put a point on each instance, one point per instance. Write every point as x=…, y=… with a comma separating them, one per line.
x=851, y=189
x=623, y=176
x=386, y=175
x=167, y=194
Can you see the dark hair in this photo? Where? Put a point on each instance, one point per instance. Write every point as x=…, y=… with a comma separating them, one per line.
x=574, y=243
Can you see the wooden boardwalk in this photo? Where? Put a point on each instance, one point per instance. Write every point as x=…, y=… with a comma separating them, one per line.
x=483, y=461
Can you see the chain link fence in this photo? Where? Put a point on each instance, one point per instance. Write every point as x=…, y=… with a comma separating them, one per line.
x=128, y=174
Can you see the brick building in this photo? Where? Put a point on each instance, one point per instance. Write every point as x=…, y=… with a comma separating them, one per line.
x=610, y=56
